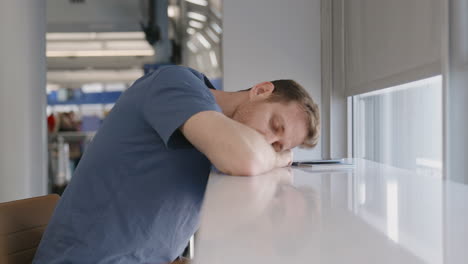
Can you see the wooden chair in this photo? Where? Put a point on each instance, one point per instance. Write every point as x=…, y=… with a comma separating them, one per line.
x=22, y=224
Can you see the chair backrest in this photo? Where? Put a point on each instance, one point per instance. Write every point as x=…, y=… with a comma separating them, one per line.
x=22, y=224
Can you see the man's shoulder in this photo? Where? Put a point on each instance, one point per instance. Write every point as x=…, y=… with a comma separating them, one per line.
x=166, y=78
x=179, y=71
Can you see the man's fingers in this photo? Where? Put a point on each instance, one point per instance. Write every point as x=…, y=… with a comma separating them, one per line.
x=286, y=157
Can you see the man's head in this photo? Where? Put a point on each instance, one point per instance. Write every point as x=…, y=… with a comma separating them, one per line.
x=283, y=112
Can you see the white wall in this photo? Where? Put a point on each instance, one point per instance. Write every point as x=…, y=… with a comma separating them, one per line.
x=266, y=40
x=23, y=149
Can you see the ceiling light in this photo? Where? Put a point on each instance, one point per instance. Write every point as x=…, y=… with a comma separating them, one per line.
x=203, y=41
x=98, y=45
x=190, y=31
x=71, y=36
x=74, y=45
x=52, y=87
x=99, y=53
x=216, y=27
x=214, y=60
x=118, y=86
x=192, y=47
x=198, y=2
x=197, y=16
x=200, y=63
x=195, y=24
x=216, y=13
x=95, y=35
x=212, y=35
x=120, y=35
x=92, y=88
x=112, y=78
x=173, y=11
x=128, y=45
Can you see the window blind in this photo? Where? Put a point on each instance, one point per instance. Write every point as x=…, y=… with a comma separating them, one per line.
x=388, y=43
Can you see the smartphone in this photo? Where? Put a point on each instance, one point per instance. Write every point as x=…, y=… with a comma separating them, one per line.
x=314, y=162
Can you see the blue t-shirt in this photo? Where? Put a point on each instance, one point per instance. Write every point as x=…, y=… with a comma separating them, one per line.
x=136, y=194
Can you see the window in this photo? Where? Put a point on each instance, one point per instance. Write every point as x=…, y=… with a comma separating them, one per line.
x=401, y=126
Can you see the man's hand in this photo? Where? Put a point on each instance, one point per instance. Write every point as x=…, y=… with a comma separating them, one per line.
x=232, y=147
x=284, y=158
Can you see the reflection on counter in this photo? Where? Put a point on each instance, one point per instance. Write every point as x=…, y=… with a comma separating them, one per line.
x=235, y=206
x=371, y=214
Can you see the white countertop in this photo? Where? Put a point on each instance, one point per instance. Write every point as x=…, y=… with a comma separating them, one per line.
x=371, y=214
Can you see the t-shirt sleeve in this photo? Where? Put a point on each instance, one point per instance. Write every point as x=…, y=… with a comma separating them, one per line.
x=175, y=94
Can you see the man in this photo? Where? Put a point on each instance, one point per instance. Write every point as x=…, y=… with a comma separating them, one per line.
x=136, y=194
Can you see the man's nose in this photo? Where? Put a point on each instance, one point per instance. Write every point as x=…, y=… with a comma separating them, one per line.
x=275, y=141
x=271, y=138
x=277, y=146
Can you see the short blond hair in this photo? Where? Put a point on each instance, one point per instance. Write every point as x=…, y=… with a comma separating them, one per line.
x=291, y=91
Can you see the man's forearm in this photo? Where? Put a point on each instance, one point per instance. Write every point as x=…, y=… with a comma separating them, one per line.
x=254, y=154
x=232, y=147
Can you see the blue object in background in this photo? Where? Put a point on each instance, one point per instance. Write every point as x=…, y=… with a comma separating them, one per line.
x=77, y=97
x=84, y=98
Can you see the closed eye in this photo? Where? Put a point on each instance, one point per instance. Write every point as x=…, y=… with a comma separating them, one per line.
x=278, y=128
x=275, y=126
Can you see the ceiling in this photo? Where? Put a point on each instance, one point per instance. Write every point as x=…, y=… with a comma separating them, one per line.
x=94, y=16
x=98, y=17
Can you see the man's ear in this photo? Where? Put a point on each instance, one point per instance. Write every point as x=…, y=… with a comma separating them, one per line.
x=261, y=91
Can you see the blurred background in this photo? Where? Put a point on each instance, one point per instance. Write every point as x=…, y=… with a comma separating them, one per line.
x=97, y=49
x=390, y=77
x=65, y=63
